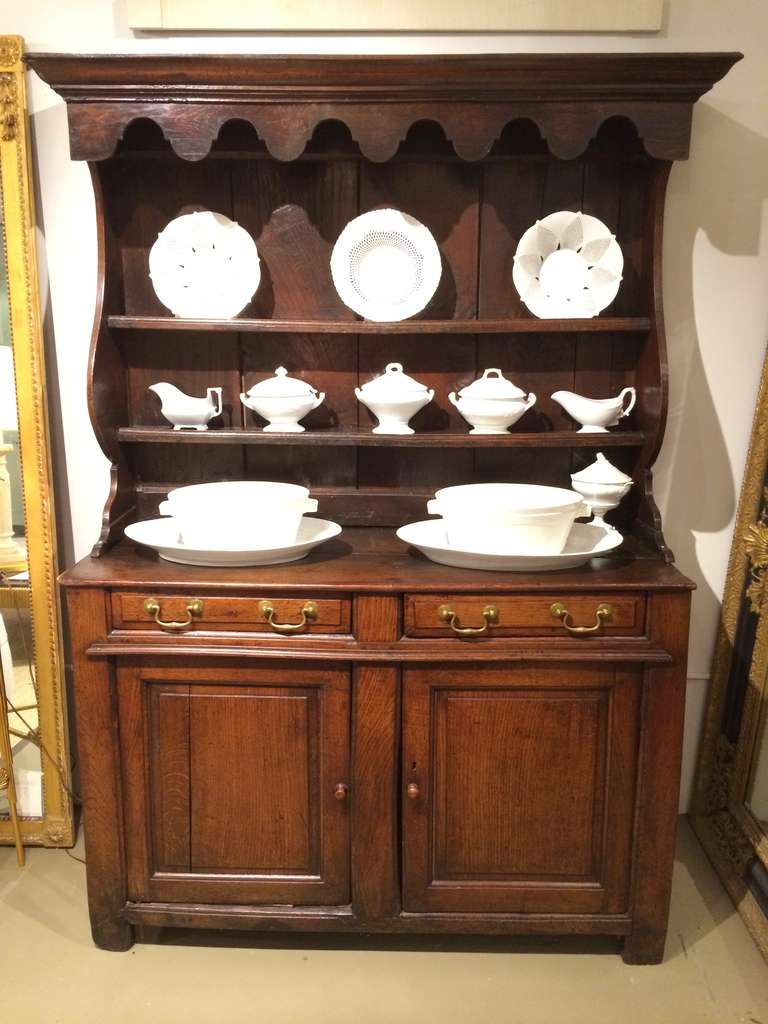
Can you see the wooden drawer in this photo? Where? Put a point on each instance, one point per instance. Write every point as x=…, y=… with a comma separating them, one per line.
x=430, y=615
x=231, y=614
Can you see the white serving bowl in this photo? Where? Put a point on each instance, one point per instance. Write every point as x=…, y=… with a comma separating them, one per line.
x=508, y=518
x=244, y=512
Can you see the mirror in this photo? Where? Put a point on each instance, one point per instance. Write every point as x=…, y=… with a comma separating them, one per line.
x=16, y=657
x=34, y=716
x=731, y=799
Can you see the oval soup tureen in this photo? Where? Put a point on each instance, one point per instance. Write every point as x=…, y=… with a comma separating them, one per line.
x=492, y=404
x=394, y=398
x=283, y=401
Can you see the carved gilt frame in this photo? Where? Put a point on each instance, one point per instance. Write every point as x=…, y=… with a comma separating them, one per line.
x=735, y=842
x=55, y=828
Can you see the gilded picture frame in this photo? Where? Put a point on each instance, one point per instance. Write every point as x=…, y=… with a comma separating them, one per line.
x=736, y=842
x=55, y=827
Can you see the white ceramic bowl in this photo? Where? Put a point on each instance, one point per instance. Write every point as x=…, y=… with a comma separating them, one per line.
x=508, y=518
x=247, y=513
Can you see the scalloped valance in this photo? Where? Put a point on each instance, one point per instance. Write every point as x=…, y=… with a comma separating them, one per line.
x=568, y=97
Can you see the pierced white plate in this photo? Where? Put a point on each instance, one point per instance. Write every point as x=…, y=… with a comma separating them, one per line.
x=162, y=535
x=567, y=265
x=204, y=266
x=584, y=542
x=386, y=265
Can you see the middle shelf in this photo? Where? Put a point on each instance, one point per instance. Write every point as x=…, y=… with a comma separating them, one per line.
x=354, y=438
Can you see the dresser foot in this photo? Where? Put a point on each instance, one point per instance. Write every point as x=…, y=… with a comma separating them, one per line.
x=644, y=948
x=115, y=936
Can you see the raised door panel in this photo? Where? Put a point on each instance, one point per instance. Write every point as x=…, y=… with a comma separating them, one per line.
x=231, y=780
x=519, y=789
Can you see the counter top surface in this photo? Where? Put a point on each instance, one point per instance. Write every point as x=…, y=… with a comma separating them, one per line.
x=370, y=560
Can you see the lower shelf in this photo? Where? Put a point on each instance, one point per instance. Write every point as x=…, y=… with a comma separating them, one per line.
x=360, y=438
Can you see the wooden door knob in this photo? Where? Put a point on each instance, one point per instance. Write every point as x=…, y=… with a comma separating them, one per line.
x=413, y=791
x=340, y=790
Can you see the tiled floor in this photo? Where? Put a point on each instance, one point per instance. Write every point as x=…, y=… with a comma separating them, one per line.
x=50, y=973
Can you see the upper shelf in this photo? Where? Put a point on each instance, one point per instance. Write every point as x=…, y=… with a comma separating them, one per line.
x=609, y=325
x=365, y=438
x=473, y=97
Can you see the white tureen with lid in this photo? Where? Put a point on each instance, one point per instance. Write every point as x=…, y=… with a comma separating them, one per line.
x=394, y=398
x=492, y=403
x=603, y=485
x=283, y=401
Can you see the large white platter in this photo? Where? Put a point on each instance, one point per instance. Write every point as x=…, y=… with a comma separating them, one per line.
x=386, y=265
x=567, y=265
x=162, y=535
x=584, y=542
x=204, y=266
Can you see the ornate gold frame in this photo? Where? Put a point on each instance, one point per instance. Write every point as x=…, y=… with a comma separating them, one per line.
x=733, y=839
x=55, y=828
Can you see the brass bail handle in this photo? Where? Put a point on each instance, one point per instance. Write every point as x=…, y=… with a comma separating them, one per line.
x=308, y=614
x=490, y=615
x=603, y=614
x=194, y=610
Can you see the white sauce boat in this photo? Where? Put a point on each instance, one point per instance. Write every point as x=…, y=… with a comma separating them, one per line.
x=184, y=411
x=596, y=414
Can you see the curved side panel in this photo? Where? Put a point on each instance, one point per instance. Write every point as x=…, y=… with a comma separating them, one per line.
x=107, y=400
x=652, y=369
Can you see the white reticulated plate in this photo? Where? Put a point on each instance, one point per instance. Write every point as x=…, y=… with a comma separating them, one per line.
x=567, y=265
x=163, y=534
x=386, y=265
x=584, y=542
x=204, y=266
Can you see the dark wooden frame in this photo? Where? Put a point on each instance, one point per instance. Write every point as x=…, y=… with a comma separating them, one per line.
x=477, y=148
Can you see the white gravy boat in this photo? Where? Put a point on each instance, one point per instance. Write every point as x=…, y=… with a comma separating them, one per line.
x=186, y=412
x=596, y=414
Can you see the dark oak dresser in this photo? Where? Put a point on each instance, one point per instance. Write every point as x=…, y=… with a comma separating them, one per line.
x=378, y=766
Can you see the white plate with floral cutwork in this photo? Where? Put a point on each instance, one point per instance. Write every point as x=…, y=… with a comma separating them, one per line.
x=567, y=265
x=386, y=265
x=204, y=266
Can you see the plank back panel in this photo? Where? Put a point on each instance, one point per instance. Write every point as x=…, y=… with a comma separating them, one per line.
x=169, y=778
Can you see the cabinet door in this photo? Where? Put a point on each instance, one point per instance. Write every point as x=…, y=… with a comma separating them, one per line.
x=231, y=783
x=519, y=788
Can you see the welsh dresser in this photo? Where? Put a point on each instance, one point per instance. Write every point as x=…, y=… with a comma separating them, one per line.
x=321, y=746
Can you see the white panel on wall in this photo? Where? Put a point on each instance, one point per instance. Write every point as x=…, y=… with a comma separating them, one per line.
x=397, y=15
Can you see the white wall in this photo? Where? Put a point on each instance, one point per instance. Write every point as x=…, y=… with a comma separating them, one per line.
x=715, y=262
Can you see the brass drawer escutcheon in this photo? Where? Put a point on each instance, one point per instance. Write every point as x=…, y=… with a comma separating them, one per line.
x=603, y=614
x=194, y=610
x=490, y=615
x=308, y=614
